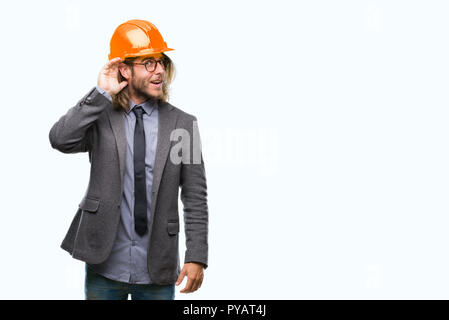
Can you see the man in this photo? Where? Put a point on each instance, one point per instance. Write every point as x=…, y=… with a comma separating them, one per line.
x=142, y=150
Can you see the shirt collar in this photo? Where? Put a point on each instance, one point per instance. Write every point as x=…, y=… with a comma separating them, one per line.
x=148, y=105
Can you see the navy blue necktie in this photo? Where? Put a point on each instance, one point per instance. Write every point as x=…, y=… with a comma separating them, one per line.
x=140, y=190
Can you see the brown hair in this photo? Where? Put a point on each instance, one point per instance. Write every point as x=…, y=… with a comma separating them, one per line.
x=121, y=99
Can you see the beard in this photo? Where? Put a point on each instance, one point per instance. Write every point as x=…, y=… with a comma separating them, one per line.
x=141, y=89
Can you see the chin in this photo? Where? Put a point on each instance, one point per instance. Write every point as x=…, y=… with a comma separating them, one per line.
x=155, y=94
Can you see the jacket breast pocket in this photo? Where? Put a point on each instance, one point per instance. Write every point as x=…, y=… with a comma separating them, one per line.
x=90, y=205
x=173, y=227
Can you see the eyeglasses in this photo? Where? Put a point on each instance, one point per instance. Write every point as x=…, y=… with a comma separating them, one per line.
x=151, y=64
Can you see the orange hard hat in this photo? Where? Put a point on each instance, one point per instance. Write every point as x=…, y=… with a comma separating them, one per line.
x=136, y=38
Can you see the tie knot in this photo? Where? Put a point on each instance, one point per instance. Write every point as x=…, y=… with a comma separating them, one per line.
x=138, y=111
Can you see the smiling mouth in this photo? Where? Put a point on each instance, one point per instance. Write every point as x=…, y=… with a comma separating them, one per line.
x=155, y=84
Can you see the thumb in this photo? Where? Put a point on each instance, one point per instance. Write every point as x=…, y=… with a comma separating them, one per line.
x=181, y=276
x=123, y=84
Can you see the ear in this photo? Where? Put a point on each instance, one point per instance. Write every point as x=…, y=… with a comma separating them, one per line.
x=124, y=70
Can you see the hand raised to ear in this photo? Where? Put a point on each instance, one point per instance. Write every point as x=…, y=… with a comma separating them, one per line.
x=108, y=77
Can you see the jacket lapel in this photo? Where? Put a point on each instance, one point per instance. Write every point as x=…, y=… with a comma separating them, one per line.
x=117, y=121
x=167, y=123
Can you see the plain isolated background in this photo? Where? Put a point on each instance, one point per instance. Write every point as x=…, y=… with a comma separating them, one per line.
x=324, y=132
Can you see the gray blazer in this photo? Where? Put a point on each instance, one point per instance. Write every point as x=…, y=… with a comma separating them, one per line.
x=93, y=126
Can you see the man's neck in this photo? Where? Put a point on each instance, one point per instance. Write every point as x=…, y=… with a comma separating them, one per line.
x=140, y=99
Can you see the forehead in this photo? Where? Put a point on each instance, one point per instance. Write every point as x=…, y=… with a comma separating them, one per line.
x=153, y=56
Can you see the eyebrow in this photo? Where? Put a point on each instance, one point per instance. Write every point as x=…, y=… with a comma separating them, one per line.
x=152, y=58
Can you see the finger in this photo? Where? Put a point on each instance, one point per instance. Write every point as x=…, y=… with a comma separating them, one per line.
x=181, y=276
x=198, y=283
x=115, y=60
x=112, y=63
x=123, y=84
x=188, y=287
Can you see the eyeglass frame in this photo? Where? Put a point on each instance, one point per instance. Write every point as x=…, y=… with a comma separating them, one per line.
x=162, y=61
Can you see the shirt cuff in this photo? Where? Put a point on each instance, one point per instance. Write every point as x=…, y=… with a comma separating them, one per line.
x=103, y=92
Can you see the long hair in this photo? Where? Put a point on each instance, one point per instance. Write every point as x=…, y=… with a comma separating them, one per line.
x=121, y=99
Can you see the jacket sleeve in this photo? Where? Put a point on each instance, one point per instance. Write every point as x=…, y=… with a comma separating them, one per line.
x=194, y=199
x=72, y=133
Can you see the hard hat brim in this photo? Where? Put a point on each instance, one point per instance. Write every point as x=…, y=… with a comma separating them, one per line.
x=141, y=53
